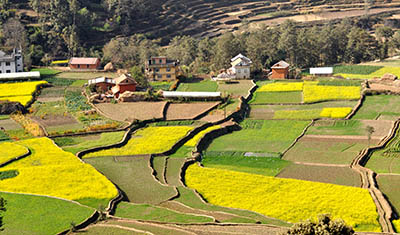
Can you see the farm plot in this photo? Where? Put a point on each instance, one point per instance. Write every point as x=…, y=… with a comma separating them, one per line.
x=189, y=198
x=155, y=213
x=173, y=171
x=369, y=73
x=237, y=88
x=309, y=114
x=316, y=93
x=271, y=136
x=204, y=85
x=51, y=94
x=9, y=124
x=326, y=149
x=351, y=127
x=379, y=107
x=390, y=186
x=150, y=140
x=277, y=97
x=235, y=161
x=53, y=172
x=77, y=144
x=28, y=214
x=287, y=199
x=386, y=160
x=131, y=111
x=133, y=175
x=306, y=111
x=181, y=111
x=20, y=91
x=324, y=174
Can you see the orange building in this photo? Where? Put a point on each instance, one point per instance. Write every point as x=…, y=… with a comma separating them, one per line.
x=280, y=71
x=123, y=83
x=84, y=63
x=161, y=69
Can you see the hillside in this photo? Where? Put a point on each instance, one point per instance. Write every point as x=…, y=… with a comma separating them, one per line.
x=165, y=19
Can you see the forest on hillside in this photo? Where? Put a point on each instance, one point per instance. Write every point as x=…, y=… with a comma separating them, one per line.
x=111, y=30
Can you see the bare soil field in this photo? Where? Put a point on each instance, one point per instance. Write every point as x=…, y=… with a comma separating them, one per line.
x=188, y=110
x=325, y=174
x=134, y=110
x=327, y=150
x=56, y=120
x=10, y=124
x=236, y=89
x=382, y=87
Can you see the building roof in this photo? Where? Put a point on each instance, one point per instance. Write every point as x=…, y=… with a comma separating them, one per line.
x=81, y=60
x=188, y=94
x=123, y=78
x=280, y=65
x=20, y=75
x=100, y=80
x=241, y=60
x=321, y=70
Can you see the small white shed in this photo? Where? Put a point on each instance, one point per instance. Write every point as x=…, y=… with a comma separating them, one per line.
x=322, y=71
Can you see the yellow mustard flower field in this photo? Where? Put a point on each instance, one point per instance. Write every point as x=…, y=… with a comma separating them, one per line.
x=286, y=199
x=147, y=141
x=282, y=86
x=341, y=112
x=51, y=171
x=10, y=151
x=20, y=91
x=314, y=93
x=192, y=142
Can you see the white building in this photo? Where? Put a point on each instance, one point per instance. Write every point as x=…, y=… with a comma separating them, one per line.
x=240, y=67
x=322, y=71
x=13, y=63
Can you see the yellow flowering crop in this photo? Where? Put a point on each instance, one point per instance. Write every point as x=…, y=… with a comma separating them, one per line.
x=147, y=141
x=286, y=199
x=53, y=172
x=10, y=151
x=341, y=112
x=19, y=91
x=71, y=182
x=282, y=86
x=313, y=93
x=396, y=224
x=44, y=153
x=379, y=73
x=196, y=138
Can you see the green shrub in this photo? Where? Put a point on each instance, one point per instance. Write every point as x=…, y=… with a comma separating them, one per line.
x=8, y=174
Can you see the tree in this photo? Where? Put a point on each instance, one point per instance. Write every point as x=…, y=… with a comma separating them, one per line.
x=324, y=225
x=370, y=130
x=15, y=34
x=137, y=74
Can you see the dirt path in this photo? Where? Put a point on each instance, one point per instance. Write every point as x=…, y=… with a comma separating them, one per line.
x=321, y=164
x=369, y=182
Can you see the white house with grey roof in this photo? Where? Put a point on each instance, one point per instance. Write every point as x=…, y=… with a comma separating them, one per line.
x=240, y=69
x=13, y=63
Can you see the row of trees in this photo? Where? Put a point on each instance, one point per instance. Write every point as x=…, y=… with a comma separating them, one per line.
x=301, y=47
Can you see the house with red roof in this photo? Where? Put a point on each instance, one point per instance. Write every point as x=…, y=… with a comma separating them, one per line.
x=123, y=83
x=80, y=63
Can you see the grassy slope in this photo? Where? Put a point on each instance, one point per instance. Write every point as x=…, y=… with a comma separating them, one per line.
x=40, y=215
x=76, y=144
x=133, y=177
x=269, y=166
x=273, y=136
x=379, y=106
x=205, y=85
x=277, y=97
x=154, y=213
x=390, y=186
